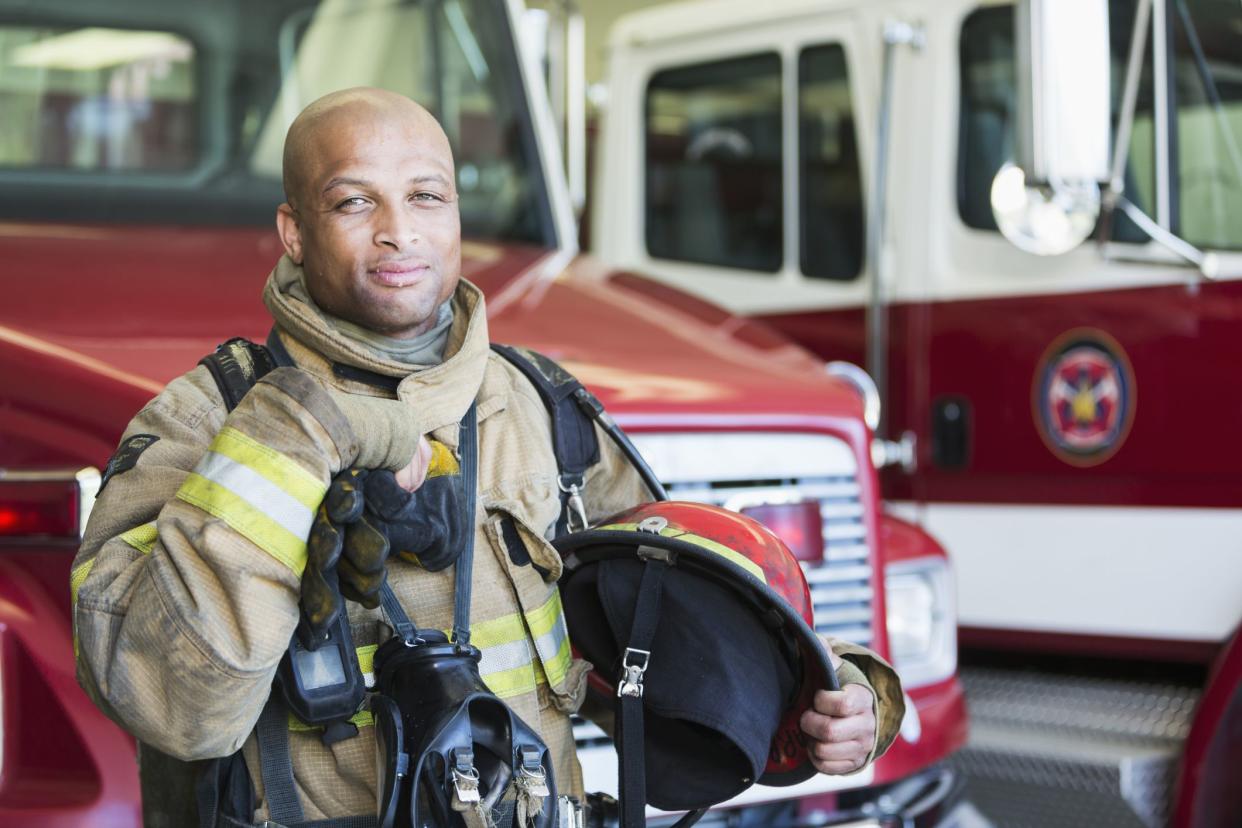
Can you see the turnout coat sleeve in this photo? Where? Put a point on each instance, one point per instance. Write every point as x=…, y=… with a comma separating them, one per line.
x=185, y=588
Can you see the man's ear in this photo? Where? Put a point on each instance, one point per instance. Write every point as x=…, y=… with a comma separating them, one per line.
x=290, y=231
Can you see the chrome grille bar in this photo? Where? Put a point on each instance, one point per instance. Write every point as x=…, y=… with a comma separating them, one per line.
x=842, y=592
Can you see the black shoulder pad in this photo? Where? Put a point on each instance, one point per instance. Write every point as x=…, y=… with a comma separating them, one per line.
x=573, y=432
x=236, y=366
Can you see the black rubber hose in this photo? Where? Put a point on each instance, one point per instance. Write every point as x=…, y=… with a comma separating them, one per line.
x=595, y=410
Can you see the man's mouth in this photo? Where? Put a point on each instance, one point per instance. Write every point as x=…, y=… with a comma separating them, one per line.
x=398, y=274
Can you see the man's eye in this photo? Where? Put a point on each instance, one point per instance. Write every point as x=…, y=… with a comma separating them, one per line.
x=352, y=203
x=426, y=196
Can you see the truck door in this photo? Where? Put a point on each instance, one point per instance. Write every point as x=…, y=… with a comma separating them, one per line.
x=1083, y=463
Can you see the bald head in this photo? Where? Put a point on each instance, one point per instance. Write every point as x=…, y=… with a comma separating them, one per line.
x=371, y=211
x=325, y=120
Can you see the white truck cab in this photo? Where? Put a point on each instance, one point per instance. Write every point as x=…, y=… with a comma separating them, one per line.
x=1060, y=409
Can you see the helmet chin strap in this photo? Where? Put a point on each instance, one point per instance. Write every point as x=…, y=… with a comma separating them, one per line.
x=631, y=764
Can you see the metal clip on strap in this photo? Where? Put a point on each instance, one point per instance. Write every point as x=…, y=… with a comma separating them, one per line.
x=633, y=666
x=575, y=510
x=632, y=783
x=465, y=780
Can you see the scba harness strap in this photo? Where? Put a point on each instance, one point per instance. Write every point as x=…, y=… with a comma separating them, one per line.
x=475, y=718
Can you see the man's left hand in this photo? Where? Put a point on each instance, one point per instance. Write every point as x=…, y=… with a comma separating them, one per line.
x=841, y=727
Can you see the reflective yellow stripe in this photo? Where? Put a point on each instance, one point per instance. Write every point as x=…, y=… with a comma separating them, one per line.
x=542, y=619
x=442, y=461
x=557, y=667
x=142, y=537
x=547, y=628
x=509, y=683
x=700, y=541
x=366, y=658
x=299, y=483
x=77, y=577
x=362, y=718
x=497, y=631
x=247, y=520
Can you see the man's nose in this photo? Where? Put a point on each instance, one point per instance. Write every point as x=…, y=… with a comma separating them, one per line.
x=396, y=228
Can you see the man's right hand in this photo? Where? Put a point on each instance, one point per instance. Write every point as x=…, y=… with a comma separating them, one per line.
x=417, y=512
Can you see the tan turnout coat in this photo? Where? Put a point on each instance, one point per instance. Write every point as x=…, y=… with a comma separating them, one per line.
x=186, y=586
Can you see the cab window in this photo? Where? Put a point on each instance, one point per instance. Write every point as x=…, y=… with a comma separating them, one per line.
x=97, y=99
x=1204, y=128
x=830, y=181
x=713, y=173
x=988, y=107
x=1207, y=133
x=176, y=111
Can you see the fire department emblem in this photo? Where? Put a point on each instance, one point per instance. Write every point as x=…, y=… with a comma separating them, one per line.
x=1084, y=397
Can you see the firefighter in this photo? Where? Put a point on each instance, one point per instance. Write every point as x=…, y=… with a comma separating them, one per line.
x=188, y=584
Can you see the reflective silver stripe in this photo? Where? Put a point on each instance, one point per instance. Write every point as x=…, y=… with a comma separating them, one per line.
x=502, y=657
x=549, y=644
x=258, y=491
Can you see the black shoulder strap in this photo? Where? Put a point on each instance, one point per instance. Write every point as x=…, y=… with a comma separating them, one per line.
x=236, y=366
x=573, y=432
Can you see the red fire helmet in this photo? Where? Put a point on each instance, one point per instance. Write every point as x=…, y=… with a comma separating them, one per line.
x=735, y=661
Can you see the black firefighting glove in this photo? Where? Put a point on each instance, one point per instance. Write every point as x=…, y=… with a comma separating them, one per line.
x=366, y=516
x=321, y=586
x=425, y=527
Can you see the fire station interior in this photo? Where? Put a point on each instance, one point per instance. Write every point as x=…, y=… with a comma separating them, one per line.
x=944, y=295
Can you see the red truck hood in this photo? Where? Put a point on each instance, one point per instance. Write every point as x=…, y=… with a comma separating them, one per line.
x=144, y=304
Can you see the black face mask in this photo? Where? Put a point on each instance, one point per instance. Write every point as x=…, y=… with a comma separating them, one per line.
x=469, y=759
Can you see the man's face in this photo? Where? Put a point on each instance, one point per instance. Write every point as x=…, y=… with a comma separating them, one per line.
x=374, y=220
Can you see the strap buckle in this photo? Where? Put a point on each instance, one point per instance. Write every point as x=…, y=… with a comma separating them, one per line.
x=633, y=666
x=532, y=778
x=575, y=508
x=465, y=779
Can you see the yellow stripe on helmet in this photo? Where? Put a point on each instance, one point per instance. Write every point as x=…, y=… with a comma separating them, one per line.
x=698, y=540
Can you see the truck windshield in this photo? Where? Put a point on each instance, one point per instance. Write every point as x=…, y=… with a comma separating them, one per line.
x=176, y=111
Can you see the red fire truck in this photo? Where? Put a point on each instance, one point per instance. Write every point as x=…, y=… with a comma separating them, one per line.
x=139, y=166
x=838, y=170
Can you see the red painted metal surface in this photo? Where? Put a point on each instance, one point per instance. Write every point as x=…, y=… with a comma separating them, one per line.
x=1207, y=793
x=65, y=765
x=940, y=707
x=1180, y=341
x=942, y=730
x=1163, y=650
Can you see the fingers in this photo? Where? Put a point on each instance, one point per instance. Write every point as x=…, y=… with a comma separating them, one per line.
x=838, y=745
x=365, y=551
x=344, y=500
x=850, y=700
x=319, y=600
x=826, y=641
x=413, y=475
x=385, y=496
x=361, y=587
x=841, y=726
x=829, y=729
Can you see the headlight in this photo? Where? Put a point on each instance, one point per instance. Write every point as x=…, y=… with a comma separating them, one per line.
x=922, y=620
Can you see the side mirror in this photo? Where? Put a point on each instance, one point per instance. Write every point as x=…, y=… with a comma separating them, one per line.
x=1048, y=202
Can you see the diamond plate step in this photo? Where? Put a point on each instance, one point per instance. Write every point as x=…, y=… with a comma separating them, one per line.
x=1068, y=751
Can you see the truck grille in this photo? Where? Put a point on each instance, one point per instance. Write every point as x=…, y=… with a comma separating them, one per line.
x=842, y=591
